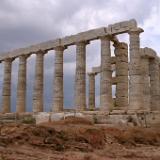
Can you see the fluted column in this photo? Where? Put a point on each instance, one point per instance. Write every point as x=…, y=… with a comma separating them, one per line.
x=106, y=102
x=38, y=83
x=146, y=81
x=135, y=72
x=121, y=53
x=6, y=92
x=21, y=86
x=58, y=80
x=91, y=101
x=80, y=77
x=155, y=82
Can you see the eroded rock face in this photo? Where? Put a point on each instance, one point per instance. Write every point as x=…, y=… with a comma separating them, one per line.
x=76, y=138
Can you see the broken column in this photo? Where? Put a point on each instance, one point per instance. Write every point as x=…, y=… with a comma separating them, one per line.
x=21, y=86
x=38, y=83
x=135, y=71
x=91, y=101
x=6, y=92
x=58, y=80
x=121, y=53
x=80, y=77
x=155, y=82
x=106, y=102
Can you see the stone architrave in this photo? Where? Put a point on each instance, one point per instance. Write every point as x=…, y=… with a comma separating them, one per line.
x=135, y=71
x=91, y=101
x=121, y=53
x=21, y=86
x=80, y=76
x=58, y=80
x=39, y=82
x=106, y=102
x=6, y=92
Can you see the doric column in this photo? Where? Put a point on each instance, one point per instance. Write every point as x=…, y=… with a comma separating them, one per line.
x=91, y=101
x=58, y=80
x=135, y=72
x=21, y=86
x=146, y=82
x=38, y=83
x=6, y=92
x=155, y=82
x=121, y=53
x=80, y=77
x=106, y=102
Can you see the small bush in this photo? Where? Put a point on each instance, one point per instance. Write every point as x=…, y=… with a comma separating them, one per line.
x=29, y=120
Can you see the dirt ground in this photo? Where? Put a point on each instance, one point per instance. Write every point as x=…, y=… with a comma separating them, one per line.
x=77, y=139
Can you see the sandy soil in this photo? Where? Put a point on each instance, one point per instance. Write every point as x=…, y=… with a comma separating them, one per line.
x=77, y=139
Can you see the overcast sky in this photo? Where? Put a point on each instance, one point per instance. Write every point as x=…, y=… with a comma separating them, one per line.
x=26, y=22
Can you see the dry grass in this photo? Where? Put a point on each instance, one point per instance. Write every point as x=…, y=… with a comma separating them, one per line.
x=136, y=135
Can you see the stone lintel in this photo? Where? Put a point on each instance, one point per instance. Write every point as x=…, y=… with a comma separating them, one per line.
x=135, y=31
x=121, y=27
x=148, y=53
x=118, y=28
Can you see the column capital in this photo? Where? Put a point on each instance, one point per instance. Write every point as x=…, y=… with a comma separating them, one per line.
x=92, y=73
x=106, y=37
x=41, y=52
x=9, y=60
x=135, y=31
x=23, y=56
x=60, y=48
x=82, y=42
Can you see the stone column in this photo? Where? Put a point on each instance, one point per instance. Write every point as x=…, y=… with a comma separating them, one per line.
x=6, y=92
x=38, y=83
x=121, y=53
x=80, y=77
x=155, y=82
x=135, y=72
x=106, y=102
x=91, y=101
x=58, y=80
x=21, y=86
x=146, y=80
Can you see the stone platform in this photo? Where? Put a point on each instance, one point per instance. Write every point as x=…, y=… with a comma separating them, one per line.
x=116, y=117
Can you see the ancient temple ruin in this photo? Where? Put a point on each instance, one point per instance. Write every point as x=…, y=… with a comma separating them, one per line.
x=137, y=72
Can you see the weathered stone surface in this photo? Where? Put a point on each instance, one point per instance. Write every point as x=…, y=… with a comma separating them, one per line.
x=148, y=52
x=58, y=80
x=80, y=77
x=155, y=82
x=91, y=101
x=135, y=87
x=121, y=52
x=106, y=102
x=122, y=27
x=38, y=83
x=42, y=117
x=21, y=86
x=6, y=92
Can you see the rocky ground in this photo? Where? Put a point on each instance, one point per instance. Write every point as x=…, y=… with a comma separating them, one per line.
x=77, y=139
